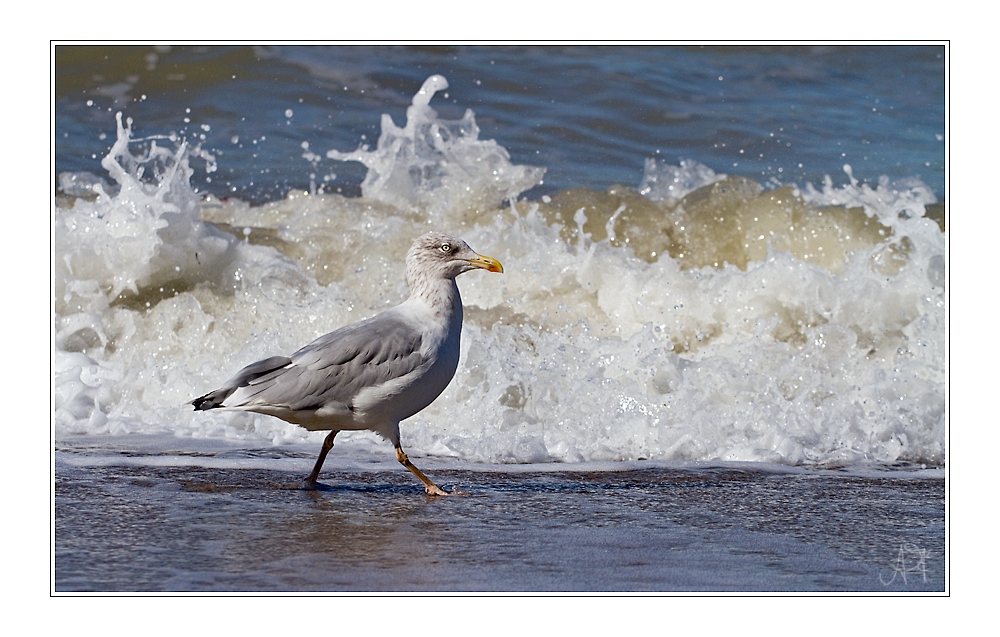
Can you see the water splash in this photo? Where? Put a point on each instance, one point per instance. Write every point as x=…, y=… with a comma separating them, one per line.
x=437, y=164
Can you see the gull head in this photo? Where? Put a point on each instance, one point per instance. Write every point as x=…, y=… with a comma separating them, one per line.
x=437, y=255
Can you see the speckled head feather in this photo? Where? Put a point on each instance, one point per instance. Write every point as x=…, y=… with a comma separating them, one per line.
x=439, y=256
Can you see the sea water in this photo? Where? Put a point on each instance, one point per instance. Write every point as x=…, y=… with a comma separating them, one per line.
x=728, y=307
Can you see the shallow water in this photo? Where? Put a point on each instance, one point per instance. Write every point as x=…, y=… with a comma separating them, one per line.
x=645, y=527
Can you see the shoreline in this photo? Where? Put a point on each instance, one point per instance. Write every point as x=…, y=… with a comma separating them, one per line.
x=200, y=529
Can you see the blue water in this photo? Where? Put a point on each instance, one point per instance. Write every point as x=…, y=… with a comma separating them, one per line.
x=590, y=115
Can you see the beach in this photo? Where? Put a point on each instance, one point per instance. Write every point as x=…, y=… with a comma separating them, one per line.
x=168, y=524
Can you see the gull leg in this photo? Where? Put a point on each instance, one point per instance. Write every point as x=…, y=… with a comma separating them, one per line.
x=429, y=486
x=310, y=482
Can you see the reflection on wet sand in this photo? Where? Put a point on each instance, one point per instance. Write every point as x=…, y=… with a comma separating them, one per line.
x=196, y=529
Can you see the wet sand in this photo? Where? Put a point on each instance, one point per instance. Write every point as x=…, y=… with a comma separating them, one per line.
x=142, y=528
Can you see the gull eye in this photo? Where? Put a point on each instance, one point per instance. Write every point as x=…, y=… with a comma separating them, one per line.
x=445, y=247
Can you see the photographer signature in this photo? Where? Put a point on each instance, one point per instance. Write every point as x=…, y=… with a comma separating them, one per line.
x=910, y=562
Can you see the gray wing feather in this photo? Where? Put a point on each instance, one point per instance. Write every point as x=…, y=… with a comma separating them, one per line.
x=335, y=367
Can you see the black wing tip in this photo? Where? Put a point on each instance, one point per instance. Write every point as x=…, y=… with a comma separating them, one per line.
x=206, y=402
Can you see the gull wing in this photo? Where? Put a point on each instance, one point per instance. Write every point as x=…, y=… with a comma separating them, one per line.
x=329, y=372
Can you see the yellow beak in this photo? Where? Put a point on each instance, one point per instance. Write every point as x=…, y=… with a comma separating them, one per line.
x=487, y=263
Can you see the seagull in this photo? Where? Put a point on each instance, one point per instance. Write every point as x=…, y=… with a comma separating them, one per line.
x=375, y=373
